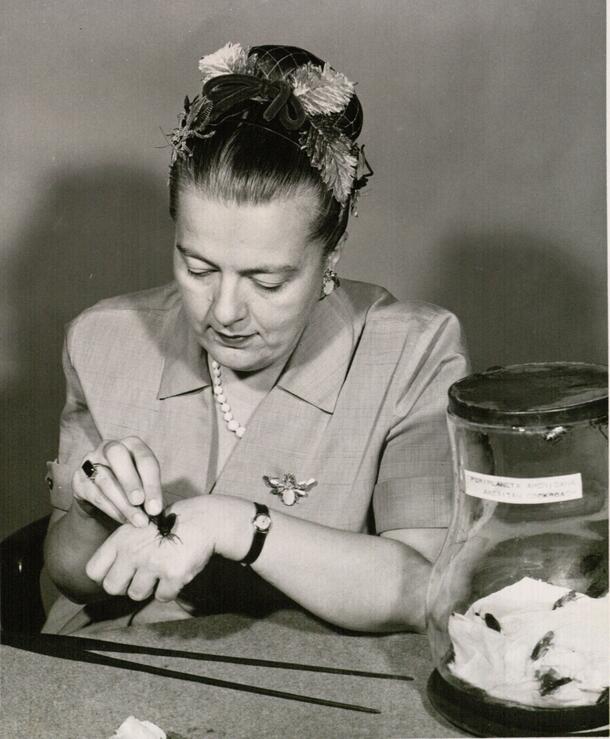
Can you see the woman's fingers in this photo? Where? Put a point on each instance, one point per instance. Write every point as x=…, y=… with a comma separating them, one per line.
x=120, y=459
x=120, y=573
x=88, y=495
x=118, y=478
x=149, y=473
x=107, y=484
x=131, y=561
x=103, y=559
x=142, y=585
x=118, y=578
x=168, y=590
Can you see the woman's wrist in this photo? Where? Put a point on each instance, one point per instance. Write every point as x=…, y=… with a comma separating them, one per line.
x=234, y=524
x=225, y=520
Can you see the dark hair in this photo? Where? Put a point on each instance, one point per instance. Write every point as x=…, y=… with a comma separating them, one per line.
x=251, y=165
x=249, y=160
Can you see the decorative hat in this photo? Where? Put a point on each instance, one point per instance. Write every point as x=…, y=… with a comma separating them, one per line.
x=286, y=90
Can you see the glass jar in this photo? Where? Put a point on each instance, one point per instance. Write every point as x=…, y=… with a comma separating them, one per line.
x=517, y=604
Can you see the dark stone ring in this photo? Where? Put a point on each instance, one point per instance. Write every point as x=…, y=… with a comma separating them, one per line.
x=90, y=468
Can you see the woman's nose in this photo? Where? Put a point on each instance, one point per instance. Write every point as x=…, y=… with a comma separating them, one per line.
x=227, y=306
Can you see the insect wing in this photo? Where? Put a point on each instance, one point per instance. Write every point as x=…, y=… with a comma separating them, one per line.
x=307, y=485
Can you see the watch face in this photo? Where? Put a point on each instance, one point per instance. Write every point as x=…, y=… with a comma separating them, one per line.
x=262, y=522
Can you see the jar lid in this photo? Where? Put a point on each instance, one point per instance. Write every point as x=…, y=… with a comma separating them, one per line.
x=537, y=394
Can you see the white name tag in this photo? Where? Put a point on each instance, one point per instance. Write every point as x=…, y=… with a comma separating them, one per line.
x=523, y=489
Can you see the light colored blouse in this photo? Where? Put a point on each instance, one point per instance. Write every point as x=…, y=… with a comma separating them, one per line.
x=359, y=407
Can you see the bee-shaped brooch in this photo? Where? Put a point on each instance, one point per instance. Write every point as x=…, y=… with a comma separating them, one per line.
x=288, y=489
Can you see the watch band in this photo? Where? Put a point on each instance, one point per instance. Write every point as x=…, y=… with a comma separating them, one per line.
x=262, y=524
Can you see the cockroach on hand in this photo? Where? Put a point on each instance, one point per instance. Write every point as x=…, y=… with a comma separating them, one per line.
x=164, y=523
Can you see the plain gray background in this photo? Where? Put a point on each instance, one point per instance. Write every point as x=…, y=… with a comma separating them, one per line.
x=484, y=123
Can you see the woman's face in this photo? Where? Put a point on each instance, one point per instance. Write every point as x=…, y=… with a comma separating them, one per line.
x=249, y=276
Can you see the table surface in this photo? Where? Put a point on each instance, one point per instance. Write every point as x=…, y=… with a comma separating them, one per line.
x=45, y=696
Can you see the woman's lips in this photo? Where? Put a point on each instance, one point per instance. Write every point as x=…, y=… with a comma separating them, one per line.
x=230, y=339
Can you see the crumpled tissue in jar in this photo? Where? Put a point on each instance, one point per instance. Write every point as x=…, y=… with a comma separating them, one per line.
x=534, y=643
x=133, y=728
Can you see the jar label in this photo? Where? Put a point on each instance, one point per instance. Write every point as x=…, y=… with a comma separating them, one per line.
x=523, y=489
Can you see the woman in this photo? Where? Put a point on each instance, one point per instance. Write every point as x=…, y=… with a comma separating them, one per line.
x=313, y=412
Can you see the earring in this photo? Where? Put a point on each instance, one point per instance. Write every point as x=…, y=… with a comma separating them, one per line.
x=330, y=281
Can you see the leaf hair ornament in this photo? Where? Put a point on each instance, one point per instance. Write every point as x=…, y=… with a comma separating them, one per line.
x=192, y=123
x=309, y=101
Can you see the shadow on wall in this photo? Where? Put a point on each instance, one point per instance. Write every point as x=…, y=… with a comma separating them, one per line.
x=520, y=298
x=95, y=233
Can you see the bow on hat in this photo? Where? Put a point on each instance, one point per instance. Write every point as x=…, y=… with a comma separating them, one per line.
x=228, y=90
x=311, y=92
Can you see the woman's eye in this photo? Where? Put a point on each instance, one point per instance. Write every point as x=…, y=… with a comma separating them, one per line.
x=270, y=287
x=199, y=272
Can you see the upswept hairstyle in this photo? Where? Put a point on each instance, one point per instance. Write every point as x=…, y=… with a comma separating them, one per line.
x=252, y=160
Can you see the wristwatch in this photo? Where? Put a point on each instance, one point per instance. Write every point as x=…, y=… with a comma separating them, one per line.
x=262, y=524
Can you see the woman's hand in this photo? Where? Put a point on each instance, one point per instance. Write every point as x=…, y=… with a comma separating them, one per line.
x=127, y=475
x=132, y=560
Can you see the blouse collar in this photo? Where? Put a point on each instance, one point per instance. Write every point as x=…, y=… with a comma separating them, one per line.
x=315, y=372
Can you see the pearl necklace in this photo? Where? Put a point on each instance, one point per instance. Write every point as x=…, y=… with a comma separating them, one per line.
x=221, y=399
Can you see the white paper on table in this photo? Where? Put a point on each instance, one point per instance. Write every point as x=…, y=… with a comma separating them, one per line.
x=133, y=728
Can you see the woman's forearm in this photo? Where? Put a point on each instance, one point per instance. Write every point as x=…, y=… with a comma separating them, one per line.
x=353, y=580
x=70, y=543
x=356, y=581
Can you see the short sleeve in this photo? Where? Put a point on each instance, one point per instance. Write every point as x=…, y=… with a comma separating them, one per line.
x=414, y=487
x=77, y=436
